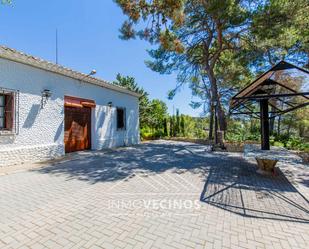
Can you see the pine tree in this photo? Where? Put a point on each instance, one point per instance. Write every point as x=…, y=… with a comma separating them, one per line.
x=177, y=122
x=165, y=128
x=171, y=126
x=182, y=125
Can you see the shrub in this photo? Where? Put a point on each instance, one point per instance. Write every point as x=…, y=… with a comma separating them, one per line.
x=148, y=134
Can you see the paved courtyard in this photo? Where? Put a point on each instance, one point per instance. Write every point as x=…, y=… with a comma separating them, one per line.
x=155, y=195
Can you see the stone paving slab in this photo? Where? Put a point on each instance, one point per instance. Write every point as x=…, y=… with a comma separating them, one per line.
x=156, y=195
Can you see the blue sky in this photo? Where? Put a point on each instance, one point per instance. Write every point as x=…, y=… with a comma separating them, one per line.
x=88, y=39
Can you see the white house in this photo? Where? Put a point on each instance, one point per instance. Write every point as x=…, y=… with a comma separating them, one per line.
x=47, y=110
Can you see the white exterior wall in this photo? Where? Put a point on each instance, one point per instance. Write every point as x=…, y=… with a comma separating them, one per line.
x=41, y=131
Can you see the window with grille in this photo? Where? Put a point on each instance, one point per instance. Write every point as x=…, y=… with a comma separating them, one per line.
x=121, y=118
x=8, y=111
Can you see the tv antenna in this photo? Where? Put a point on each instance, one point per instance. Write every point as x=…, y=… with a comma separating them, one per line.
x=57, y=46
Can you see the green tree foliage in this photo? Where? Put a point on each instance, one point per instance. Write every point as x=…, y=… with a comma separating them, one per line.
x=153, y=113
x=189, y=127
x=157, y=114
x=195, y=32
x=165, y=127
x=182, y=126
x=171, y=123
x=157, y=124
x=129, y=83
x=279, y=31
x=219, y=46
x=159, y=14
x=177, y=130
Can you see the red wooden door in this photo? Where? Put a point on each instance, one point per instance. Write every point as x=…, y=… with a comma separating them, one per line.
x=77, y=130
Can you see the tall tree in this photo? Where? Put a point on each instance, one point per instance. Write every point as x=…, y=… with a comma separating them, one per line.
x=165, y=127
x=199, y=30
x=171, y=126
x=157, y=113
x=153, y=114
x=279, y=31
x=177, y=122
x=182, y=126
x=217, y=43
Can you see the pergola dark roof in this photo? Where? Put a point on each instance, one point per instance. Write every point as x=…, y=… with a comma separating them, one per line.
x=285, y=86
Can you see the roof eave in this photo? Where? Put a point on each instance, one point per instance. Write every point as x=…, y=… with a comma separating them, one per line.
x=13, y=55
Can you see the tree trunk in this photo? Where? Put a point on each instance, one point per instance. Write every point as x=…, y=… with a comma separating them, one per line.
x=165, y=127
x=289, y=126
x=216, y=125
x=171, y=127
x=211, y=122
x=174, y=127
x=272, y=122
x=221, y=117
x=301, y=128
x=215, y=99
x=279, y=125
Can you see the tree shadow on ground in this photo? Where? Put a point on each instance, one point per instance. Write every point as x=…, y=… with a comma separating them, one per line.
x=118, y=164
x=231, y=183
x=240, y=190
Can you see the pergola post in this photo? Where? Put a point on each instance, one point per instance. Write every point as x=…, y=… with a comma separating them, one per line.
x=264, y=124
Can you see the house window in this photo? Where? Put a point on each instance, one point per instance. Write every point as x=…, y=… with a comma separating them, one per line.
x=7, y=111
x=121, y=118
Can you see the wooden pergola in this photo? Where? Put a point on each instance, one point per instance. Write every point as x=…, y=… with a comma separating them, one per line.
x=283, y=88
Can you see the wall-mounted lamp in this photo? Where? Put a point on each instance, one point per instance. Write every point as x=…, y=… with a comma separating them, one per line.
x=110, y=104
x=93, y=72
x=46, y=94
